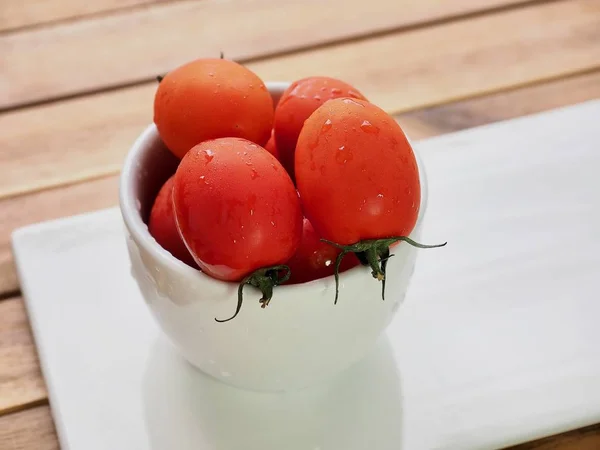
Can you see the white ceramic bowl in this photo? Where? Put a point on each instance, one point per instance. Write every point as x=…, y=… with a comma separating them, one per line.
x=300, y=339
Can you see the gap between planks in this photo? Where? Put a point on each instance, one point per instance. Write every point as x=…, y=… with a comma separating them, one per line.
x=79, y=57
x=24, y=16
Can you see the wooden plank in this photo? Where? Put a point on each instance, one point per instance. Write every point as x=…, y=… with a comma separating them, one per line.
x=110, y=51
x=500, y=106
x=100, y=193
x=21, y=381
x=587, y=438
x=45, y=205
x=88, y=137
x=19, y=13
x=28, y=430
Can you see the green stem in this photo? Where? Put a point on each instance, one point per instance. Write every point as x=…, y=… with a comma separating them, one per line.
x=265, y=279
x=374, y=253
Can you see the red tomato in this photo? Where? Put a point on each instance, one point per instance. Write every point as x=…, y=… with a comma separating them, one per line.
x=297, y=103
x=271, y=147
x=372, y=187
x=236, y=207
x=162, y=225
x=315, y=259
x=208, y=99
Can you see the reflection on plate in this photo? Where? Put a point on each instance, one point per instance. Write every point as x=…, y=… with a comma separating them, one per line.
x=186, y=409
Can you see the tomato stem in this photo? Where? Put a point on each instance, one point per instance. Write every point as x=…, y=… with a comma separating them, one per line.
x=374, y=253
x=265, y=279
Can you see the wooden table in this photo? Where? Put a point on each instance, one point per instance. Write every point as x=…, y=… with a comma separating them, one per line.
x=77, y=83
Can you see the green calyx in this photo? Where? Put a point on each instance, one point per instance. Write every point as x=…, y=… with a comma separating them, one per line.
x=265, y=279
x=374, y=253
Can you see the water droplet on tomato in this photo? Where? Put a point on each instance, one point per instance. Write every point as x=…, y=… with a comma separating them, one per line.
x=349, y=101
x=327, y=125
x=336, y=91
x=204, y=180
x=379, y=195
x=317, y=98
x=211, y=74
x=263, y=87
x=368, y=127
x=251, y=212
x=355, y=95
x=254, y=174
x=272, y=223
x=342, y=156
x=328, y=263
x=323, y=88
x=303, y=96
x=209, y=155
x=235, y=241
x=250, y=86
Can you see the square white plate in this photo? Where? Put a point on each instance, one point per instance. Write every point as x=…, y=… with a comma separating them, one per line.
x=497, y=343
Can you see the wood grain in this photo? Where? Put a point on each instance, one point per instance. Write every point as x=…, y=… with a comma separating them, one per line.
x=45, y=205
x=86, y=137
x=587, y=438
x=32, y=429
x=19, y=13
x=503, y=105
x=101, y=193
x=21, y=381
x=110, y=51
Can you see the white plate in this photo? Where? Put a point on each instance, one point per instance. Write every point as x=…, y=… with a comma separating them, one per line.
x=496, y=344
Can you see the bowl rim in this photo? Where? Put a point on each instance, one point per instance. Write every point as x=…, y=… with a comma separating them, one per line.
x=136, y=226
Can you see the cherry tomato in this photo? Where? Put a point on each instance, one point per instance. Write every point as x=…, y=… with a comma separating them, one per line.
x=208, y=99
x=372, y=187
x=162, y=225
x=271, y=147
x=315, y=259
x=236, y=207
x=297, y=103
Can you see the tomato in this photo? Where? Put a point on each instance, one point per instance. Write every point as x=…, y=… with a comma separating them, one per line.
x=162, y=225
x=208, y=99
x=271, y=147
x=373, y=189
x=297, y=103
x=315, y=259
x=236, y=207
x=358, y=179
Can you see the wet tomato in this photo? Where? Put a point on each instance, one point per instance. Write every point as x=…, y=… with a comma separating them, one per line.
x=208, y=99
x=372, y=193
x=297, y=103
x=315, y=259
x=163, y=227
